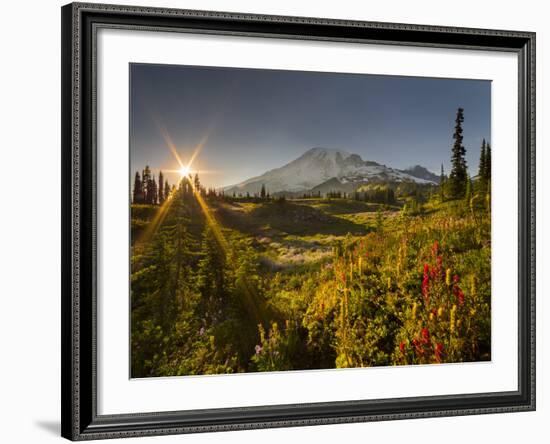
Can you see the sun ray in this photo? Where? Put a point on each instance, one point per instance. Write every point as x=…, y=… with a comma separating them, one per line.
x=168, y=140
x=250, y=295
x=157, y=220
x=185, y=172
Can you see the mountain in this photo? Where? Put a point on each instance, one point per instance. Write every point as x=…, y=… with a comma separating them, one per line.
x=318, y=166
x=422, y=173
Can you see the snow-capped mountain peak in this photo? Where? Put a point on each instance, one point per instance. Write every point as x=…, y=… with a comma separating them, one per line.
x=318, y=165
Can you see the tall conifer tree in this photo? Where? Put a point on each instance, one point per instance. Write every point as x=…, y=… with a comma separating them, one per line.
x=459, y=171
x=138, y=191
x=154, y=191
x=146, y=185
x=166, y=189
x=161, y=188
x=482, y=171
x=488, y=162
x=442, y=184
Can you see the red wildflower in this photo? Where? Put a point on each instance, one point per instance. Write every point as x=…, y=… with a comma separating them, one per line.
x=425, y=335
x=402, y=347
x=435, y=248
x=460, y=296
x=439, y=261
x=343, y=277
x=456, y=279
x=426, y=281
x=438, y=351
x=418, y=346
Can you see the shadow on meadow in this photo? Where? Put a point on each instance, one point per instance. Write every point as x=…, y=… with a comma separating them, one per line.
x=285, y=217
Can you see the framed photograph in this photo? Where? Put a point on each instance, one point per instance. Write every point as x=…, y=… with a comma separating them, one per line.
x=281, y=221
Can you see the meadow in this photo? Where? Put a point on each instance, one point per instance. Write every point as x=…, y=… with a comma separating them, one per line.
x=223, y=284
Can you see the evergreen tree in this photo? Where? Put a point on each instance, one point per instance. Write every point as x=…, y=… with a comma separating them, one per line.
x=197, y=183
x=442, y=185
x=211, y=279
x=488, y=163
x=146, y=185
x=166, y=189
x=154, y=191
x=161, y=188
x=262, y=192
x=482, y=162
x=459, y=170
x=138, y=191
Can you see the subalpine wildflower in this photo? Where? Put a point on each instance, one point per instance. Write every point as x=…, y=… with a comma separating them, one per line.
x=360, y=265
x=452, y=321
x=438, y=351
x=460, y=296
x=435, y=248
x=426, y=281
x=440, y=311
x=439, y=266
x=448, y=277
x=414, y=310
x=473, y=288
x=425, y=335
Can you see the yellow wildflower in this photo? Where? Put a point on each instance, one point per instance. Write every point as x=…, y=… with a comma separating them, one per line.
x=448, y=277
x=453, y=314
x=473, y=288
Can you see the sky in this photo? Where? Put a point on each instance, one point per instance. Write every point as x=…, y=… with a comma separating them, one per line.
x=252, y=120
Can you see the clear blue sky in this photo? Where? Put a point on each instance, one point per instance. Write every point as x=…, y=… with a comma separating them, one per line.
x=256, y=120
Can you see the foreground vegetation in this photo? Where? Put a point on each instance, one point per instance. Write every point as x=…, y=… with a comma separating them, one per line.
x=225, y=285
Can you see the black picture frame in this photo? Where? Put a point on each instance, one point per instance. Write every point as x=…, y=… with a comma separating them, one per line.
x=80, y=420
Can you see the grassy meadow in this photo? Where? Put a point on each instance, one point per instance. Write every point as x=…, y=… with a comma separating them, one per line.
x=225, y=285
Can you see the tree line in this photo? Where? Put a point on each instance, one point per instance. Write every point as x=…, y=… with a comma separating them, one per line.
x=458, y=185
x=147, y=190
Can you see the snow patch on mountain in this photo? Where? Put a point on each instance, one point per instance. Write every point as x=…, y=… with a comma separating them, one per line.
x=317, y=166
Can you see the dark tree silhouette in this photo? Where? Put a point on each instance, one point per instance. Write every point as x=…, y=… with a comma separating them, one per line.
x=166, y=189
x=138, y=190
x=488, y=162
x=459, y=170
x=161, y=188
x=442, y=185
x=146, y=184
x=154, y=191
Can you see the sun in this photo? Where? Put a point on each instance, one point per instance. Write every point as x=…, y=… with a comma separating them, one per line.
x=184, y=171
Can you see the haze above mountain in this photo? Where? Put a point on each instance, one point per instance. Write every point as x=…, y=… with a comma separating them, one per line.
x=320, y=165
